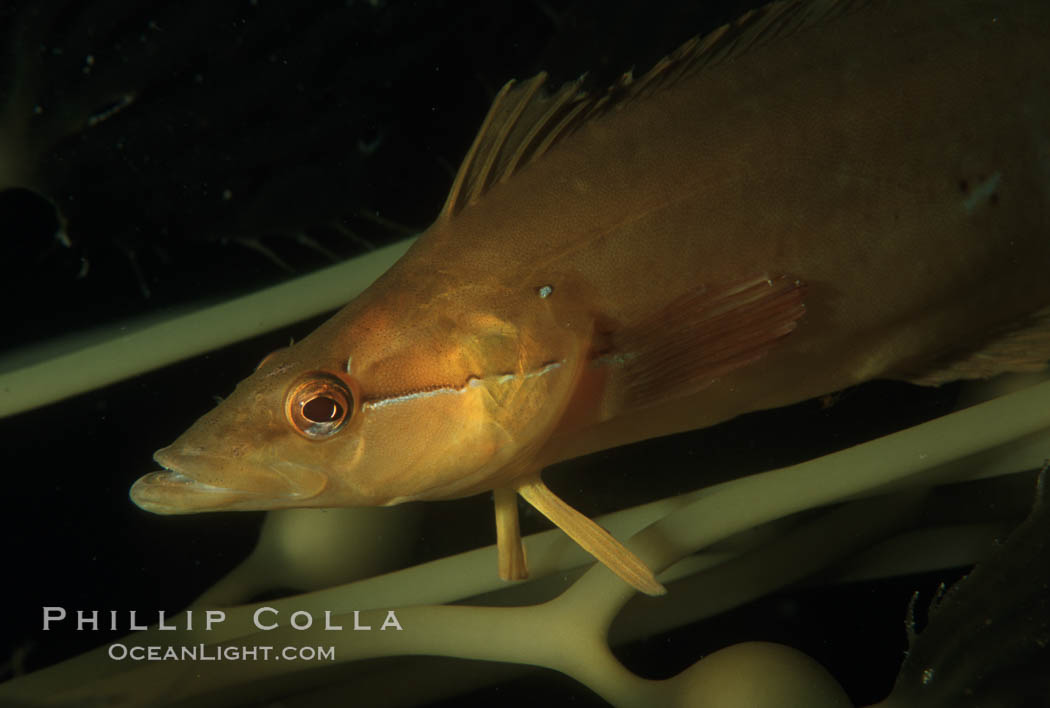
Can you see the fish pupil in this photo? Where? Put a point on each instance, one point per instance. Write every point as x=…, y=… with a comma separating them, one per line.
x=322, y=409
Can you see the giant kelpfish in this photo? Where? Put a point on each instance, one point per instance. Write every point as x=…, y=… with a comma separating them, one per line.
x=818, y=194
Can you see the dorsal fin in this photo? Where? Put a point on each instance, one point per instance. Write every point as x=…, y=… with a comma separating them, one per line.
x=524, y=122
x=521, y=125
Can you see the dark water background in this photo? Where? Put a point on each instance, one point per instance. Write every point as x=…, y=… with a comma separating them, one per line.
x=316, y=130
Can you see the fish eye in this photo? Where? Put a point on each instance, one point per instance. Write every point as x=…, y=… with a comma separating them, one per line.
x=319, y=406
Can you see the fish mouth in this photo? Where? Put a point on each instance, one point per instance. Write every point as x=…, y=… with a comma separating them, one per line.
x=167, y=492
x=180, y=489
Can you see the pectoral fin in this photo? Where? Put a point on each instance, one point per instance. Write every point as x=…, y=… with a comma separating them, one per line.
x=512, y=563
x=696, y=339
x=592, y=537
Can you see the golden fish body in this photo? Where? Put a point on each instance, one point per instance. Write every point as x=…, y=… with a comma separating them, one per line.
x=822, y=194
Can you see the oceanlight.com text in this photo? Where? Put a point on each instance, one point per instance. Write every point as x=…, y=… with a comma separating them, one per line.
x=203, y=652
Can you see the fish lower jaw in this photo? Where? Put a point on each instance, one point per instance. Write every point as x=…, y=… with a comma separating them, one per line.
x=172, y=492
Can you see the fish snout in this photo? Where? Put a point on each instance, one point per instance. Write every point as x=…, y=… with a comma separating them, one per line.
x=194, y=480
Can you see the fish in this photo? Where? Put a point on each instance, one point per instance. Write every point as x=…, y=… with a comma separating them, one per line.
x=818, y=194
